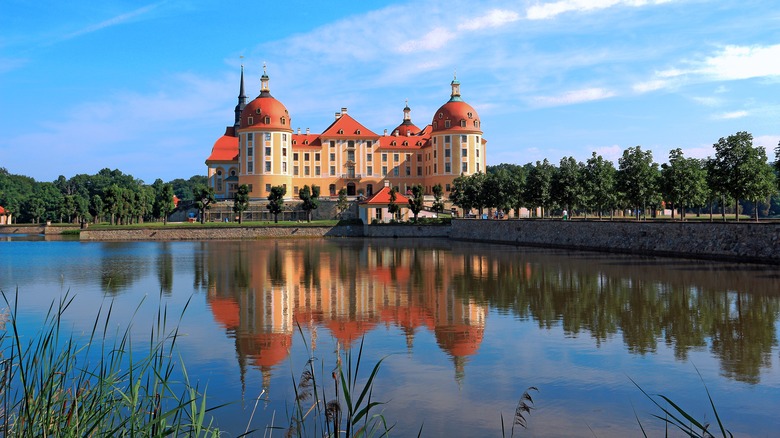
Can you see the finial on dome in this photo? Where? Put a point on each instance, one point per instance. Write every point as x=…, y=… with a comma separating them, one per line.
x=263, y=67
x=264, y=90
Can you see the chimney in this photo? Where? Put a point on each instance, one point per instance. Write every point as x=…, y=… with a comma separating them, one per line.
x=299, y=130
x=307, y=131
x=343, y=110
x=338, y=115
x=387, y=183
x=408, y=133
x=385, y=132
x=395, y=133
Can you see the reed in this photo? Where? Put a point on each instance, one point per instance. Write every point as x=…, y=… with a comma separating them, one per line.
x=51, y=385
x=348, y=409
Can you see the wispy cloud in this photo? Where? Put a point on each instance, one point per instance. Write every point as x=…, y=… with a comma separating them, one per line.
x=435, y=39
x=573, y=97
x=651, y=85
x=494, y=18
x=732, y=115
x=545, y=11
x=114, y=21
x=770, y=142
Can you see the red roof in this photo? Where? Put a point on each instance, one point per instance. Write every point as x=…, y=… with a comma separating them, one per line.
x=347, y=127
x=224, y=149
x=456, y=111
x=306, y=140
x=398, y=142
x=2, y=210
x=382, y=197
x=265, y=112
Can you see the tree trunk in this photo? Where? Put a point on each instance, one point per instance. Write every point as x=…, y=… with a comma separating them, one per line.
x=736, y=209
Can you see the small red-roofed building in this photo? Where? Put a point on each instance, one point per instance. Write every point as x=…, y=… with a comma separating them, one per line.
x=378, y=207
x=5, y=216
x=262, y=151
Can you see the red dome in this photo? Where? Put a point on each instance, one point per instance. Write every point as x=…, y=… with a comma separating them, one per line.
x=406, y=129
x=461, y=117
x=265, y=112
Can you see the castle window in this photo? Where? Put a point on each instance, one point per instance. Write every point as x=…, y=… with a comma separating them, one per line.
x=392, y=143
x=447, y=168
x=476, y=124
x=249, y=151
x=295, y=170
x=332, y=144
x=419, y=170
x=464, y=138
x=357, y=132
x=464, y=152
x=232, y=173
x=332, y=170
x=464, y=167
x=446, y=123
x=267, y=166
x=250, y=137
x=446, y=139
x=284, y=136
x=268, y=151
x=447, y=153
x=267, y=136
x=284, y=152
x=268, y=187
x=295, y=142
x=462, y=123
x=384, y=158
x=267, y=120
x=370, y=170
x=295, y=156
x=341, y=131
x=441, y=115
x=369, y=157
x=317, y=157
x=332, y=157
x=306, y=156
x=317, y=170
x=250, y=167
x=250, y=121
x=284, y=121
x=395, y=157
x=284, y=167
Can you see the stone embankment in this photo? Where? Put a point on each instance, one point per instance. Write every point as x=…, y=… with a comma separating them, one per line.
x=220, y=233
x=747, y=242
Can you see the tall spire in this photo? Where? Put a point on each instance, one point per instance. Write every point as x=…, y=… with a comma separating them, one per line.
x=241, y=100
x=455, y=96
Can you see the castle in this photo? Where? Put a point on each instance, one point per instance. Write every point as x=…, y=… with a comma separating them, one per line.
x=261, y=150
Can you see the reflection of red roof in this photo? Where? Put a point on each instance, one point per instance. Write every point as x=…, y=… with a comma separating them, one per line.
x=347, y=127
x=408, y=316
x=176, y=200
x=348, y=331
x=266, y=349
x=226, y=312
x=2, y=210
x=385, y=274
x=382, y=197
x=459, y=339
x=224, y=149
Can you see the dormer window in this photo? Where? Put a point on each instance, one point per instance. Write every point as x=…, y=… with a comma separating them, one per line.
x=257, y=111
x=250, y=121
x=267, y=120
x=341, y=131
x=470, y=115
x=446, y=123
x=406, y=143
x=357, y=132
x=392, y=143
x=441, y=115
x=462, y=123
x=284, y=121
x=476, y=124
x=295, y=142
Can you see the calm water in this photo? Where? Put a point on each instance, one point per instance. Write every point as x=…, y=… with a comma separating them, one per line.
x=466, y=328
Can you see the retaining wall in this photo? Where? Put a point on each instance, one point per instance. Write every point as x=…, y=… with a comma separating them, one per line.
x=750, y=242
x=205, y=233
x=402, y=231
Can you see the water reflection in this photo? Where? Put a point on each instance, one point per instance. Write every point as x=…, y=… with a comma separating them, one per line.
x=260, y=291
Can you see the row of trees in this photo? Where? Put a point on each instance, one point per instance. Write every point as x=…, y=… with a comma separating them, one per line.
x=108, y=195
x=738, y=173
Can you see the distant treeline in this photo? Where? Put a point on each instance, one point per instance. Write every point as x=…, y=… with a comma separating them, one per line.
x=108, y=195
x=738, y=178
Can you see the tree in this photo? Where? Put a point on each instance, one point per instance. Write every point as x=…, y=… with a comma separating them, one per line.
x=739, y=169
x=342, y=204
x=763, y=183
x=538, y=188
x=637, y=177
x=683, y=182
x=598, y=184
x=96, y=208
x=241, y=201
x=276, y=201
x=310, y=198
x=438, y=205
x=416, y=200
x=777, y=164
x=163, y=200
x=566, y=188
x=204, y=197
x=392, y=207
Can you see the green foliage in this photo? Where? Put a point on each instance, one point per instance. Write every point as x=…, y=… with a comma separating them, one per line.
x=276, y=201
x=204, y=197
x=637, y=178
x=416, y=200
x=241, y=202
x=392, y=207
x=683, y=182
x=52, y=386
x=538, y=188
x=342, y=204
x=598, y=185
x=567, y=188
x=310, y=198
x=438, y=205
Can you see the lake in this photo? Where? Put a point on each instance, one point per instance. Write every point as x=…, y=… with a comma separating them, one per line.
x=464, y=328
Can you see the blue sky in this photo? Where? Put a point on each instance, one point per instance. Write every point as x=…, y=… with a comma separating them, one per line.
x=148, y=87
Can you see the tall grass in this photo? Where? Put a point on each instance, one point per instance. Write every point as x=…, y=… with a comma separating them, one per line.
x=53, y=385
x=336, y=403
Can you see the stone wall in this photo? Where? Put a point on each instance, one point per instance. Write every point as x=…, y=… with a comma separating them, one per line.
x=746, y=241
x=219, y=233
x=393, y=231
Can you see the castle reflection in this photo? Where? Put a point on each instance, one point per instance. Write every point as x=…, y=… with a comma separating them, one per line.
x=261, y=291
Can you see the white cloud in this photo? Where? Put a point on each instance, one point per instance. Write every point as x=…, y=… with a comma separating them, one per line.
x=611, y=153
x=743, y=62
x=434, y=39
x=573, y=97
x=119, y=19
x=544, y=11
x=770, y=142
x=707, y=100
x=651, y=85
x=494, y=18
x=732, y=115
